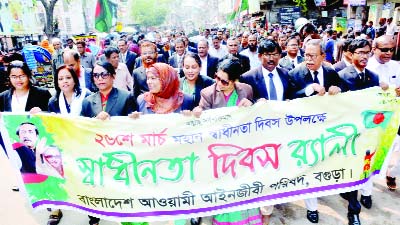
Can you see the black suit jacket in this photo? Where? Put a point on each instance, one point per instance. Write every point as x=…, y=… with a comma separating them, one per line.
x=139, y=81
x=301, y=78
x=37, y=97
x=256, y=80
x=352, y=82
x=173, y=60
x=212, y=64
x=130, y=60
x=201, y=83
x=119, y=103
x=339, y=66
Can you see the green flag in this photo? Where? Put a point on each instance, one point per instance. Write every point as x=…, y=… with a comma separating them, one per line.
x=240, y=6
x=103, y=16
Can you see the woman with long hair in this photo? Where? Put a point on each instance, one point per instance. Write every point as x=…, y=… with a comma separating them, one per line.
x=22, y=95
x=192, y=83
x=69, y=95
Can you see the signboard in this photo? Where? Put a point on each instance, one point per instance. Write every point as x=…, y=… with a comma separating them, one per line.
x=356, y=2
x=319, y=3
x=340, y=24
x=287, y=15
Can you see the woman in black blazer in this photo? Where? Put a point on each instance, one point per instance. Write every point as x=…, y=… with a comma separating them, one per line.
x=69, y=95
x=23, y=96
x=192, y=83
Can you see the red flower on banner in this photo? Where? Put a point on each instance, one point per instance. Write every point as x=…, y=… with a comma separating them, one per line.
x=378, y=118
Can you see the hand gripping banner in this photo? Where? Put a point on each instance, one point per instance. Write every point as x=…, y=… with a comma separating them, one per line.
x=162, y=167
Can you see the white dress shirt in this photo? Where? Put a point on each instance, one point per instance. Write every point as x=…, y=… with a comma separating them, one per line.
x=253, y=56
x=277, y=83
x=309, y=90
x=203, y=70
x=388, y=73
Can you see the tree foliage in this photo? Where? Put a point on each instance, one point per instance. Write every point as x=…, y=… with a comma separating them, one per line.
x=149, y=12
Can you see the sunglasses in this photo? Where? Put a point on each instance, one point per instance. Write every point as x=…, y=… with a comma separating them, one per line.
x=386, y=49
x=223, y=82
x=103, y=75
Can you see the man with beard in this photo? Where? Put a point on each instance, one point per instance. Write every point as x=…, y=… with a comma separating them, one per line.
x=208, y=63
x=267, y=80
x=251, y=52
x=149, y=57
x=233, y=50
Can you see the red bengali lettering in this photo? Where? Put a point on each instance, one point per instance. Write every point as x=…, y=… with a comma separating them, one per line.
x=229, y=154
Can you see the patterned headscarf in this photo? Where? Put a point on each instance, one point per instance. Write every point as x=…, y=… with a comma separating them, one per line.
x=169, y=98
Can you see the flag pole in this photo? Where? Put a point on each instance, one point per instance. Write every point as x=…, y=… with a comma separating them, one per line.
x=238, y=16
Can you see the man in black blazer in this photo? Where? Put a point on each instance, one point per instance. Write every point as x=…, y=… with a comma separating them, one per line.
x=233, y=50
x=259, y=78
x=209, y=63
x=314, y=78
x=356, y=76
x=126, y=56
x=148, y=57
x=176, y=58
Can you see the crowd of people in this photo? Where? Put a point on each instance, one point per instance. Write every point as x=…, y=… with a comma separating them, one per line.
x=172, y=73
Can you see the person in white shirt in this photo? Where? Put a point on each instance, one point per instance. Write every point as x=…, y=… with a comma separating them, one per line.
x=217, y=50
x=123, y=79
x=391, y=27
x=251, y=52
x=381, y=62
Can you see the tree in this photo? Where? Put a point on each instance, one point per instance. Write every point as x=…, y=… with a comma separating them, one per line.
x=149, y=12
x=49, y=25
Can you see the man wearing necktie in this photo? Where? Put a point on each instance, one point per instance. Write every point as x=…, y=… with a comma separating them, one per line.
x=314, y=78
x=267, y=80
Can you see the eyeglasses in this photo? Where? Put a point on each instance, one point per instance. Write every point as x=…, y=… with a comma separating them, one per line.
x=269, y=55
x=311, y=56
x=19, y=77
x=362, y=53
x=386, y=49
x=103, y=75
x=223, y=82
x=293, y=45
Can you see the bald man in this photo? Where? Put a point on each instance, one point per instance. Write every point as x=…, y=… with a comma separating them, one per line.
x=381, y=63
x=72, y=59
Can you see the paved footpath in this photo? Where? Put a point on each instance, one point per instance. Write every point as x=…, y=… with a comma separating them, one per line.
x=385, y=210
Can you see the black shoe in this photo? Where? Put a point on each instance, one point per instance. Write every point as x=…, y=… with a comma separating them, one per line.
x=94, y=220
x=366, y=201
x=343, y=195
x=15, y=188
x=312, y=216
x=354, y=219
x=391, y=183
x=195, y=221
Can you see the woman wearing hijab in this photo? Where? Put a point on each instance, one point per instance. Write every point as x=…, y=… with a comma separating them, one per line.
x=164, y=95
